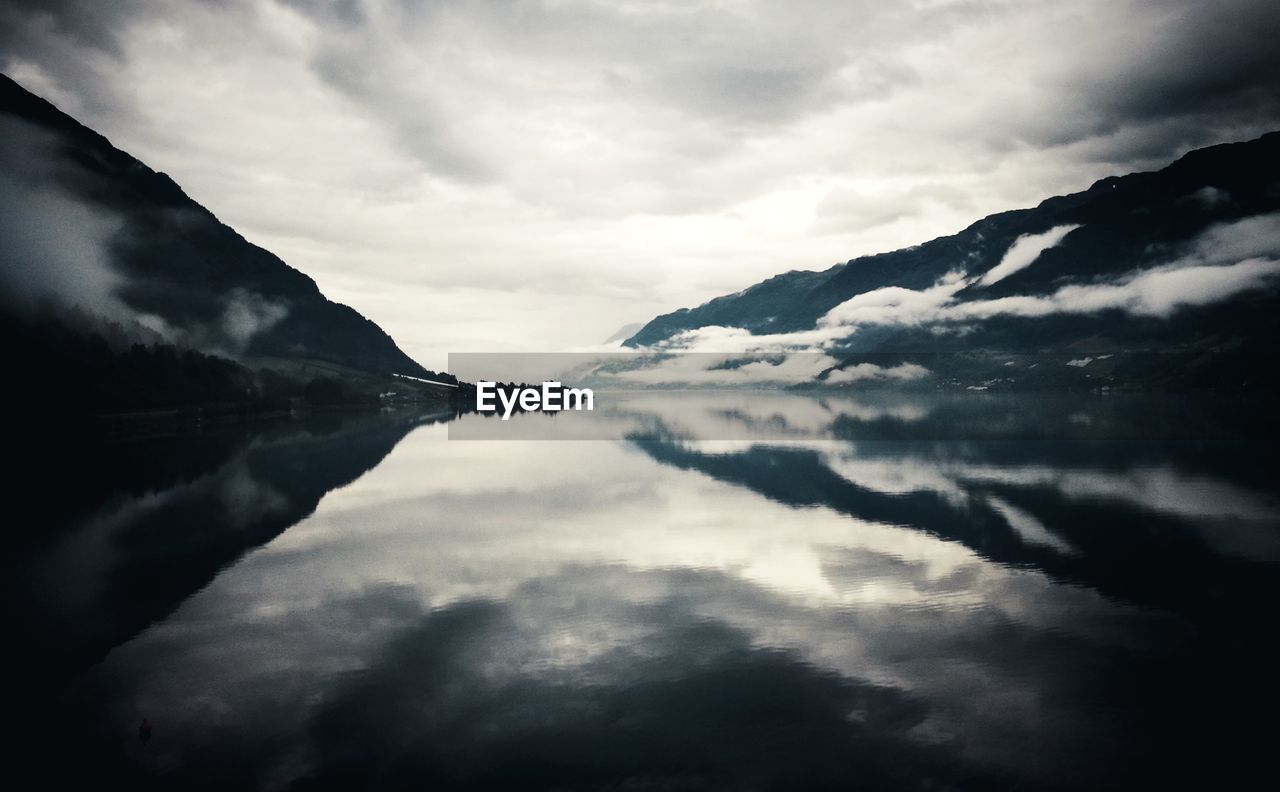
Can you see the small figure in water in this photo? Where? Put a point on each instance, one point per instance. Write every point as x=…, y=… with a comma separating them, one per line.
x=144, y=731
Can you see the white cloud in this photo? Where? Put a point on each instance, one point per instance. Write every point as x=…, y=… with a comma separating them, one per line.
x=1155, y=292
x=895, y=304
x=903, y=372
x=1210, y=197
x=247, y=314
x=1199, y=278
x=715, y=370
x=1251, y=237
x=1023, y=252
x=726, y=340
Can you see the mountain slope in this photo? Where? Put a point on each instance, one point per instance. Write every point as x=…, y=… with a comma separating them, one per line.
x=91, y=229
x=1179, y=260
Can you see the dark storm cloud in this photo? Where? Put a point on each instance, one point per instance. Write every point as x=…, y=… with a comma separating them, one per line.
x=1186, y=73
x=89, y=22
x=1216, y=58
x=69, y=39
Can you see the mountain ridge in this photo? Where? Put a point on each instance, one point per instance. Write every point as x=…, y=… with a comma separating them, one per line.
x=1122, y=225
x=177, y=262
x=122, y=293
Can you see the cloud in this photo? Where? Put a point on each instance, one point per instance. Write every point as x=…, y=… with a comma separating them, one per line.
x=63, y=47
x=671, y=150
x=843, y=210
x=1199, y=278
x=1251, y=237
x=1023, y=252
x=1210, y=197
x=695, y=369
x=896, y=304
x=727, y=340
x=1084, y=361
x=859, y=372
x=248, y=314
x=1155, y=292
x=1212, y=63
x=91, y=23
x=701, y=361
x=53, y=248
x=58, y=252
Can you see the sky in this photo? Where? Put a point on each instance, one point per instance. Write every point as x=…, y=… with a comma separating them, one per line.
x=530, y=175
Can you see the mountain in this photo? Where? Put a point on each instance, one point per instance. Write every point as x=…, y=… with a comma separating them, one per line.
x=112, y=271
x=1167, y=277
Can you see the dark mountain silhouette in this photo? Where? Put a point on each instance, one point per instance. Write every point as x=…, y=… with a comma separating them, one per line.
x=1213, y=206
x=112, y=272
x=1206, y=598
x=148, y=522
x=145, y=523
x=1102, y=546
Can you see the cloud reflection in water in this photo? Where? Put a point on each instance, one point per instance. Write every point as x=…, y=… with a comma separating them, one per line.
x=811, y=613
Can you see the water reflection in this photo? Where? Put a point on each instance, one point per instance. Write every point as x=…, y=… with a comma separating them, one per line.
x=107, y=563
x=946, y=593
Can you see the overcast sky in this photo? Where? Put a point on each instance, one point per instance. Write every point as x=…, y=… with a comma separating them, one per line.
x=503, y=175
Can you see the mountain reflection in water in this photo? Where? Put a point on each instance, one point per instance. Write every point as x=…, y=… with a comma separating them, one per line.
x=876, y=592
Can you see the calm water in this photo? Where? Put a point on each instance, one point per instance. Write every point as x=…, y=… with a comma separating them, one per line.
x=871, y=592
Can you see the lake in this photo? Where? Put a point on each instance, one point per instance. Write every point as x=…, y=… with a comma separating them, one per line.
x=737, y=591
